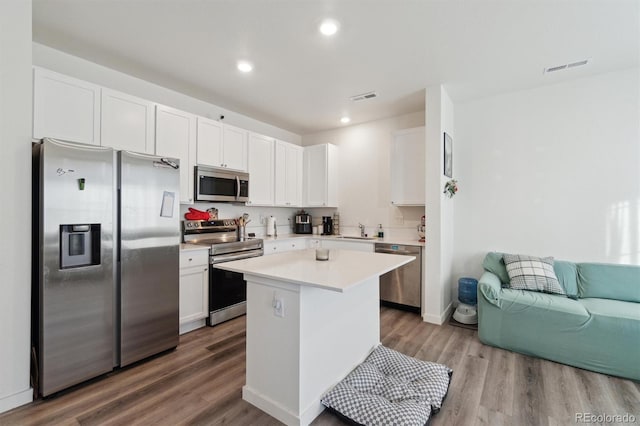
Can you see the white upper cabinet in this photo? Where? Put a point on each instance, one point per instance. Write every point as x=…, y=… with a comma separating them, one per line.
x=176, y=138
x=221, y=145
x=65, y=108
x=261, y=170
x=209, y=142
x=234, y=147
x=288, y=174
x=408, y=167
x=321, y=175
x=127, y=122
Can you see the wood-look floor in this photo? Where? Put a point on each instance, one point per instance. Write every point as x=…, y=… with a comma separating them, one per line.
x=200, y=384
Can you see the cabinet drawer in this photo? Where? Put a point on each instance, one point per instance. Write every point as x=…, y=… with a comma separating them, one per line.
x=194, y=258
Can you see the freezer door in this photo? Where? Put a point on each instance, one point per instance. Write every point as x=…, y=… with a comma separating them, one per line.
x=149, y=255
x=74, y=280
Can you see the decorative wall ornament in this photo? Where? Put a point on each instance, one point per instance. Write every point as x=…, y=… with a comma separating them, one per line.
x=450, y=188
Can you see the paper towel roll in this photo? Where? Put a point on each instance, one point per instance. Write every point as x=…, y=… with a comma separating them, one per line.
x=271, y=225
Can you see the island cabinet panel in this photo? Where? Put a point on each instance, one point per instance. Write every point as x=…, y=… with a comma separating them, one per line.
x=65, y=108
x=176, y=138
x=316, y=321
x=194, y=289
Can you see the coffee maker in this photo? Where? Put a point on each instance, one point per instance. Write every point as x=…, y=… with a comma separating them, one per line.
x=303, y=223
x=327, y=225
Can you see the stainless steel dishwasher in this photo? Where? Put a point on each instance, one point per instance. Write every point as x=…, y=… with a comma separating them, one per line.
x=402, y=286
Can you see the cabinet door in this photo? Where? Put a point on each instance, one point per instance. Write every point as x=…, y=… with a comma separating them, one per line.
x=281, y=174
x=209, y=152
x=127, y=122
x=293, y=186
x=408, y=167
x=176, y=138
x=261, y=168
x=65, y=108
x=234, y=142
x=288, y=174
x=194, y=293
x=194, y=287
x=315, y=160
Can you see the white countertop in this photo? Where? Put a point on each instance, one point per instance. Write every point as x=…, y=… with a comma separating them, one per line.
x=343, y=270
x=399, y=241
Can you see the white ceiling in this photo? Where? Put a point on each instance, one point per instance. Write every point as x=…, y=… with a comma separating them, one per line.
x=302, y=80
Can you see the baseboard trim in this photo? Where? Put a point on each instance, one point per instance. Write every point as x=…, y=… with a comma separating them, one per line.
x=438, y=319
x=270, y=407
x=16, y=400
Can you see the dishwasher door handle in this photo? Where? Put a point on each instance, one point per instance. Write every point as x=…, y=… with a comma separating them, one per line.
x=406, y=253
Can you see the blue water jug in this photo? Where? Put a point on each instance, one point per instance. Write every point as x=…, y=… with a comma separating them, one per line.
x=468, y=291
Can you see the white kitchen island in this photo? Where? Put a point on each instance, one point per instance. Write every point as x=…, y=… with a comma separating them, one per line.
x=309, y=323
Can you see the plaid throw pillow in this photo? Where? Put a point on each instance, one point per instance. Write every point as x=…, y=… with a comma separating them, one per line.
x=532, y=273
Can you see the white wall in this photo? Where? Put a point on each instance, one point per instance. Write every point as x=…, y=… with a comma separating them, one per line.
x=550, y=171
x=439, y=247
x=364, y=179
x=15, y=215
x=74, y=66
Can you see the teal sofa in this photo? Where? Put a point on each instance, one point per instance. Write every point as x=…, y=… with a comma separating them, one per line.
x=595, y=327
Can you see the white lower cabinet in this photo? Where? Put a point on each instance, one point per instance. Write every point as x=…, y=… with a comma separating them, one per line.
x=273, y=247
x=194, y=289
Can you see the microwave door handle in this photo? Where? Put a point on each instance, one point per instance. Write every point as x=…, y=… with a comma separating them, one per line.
x=237, y=187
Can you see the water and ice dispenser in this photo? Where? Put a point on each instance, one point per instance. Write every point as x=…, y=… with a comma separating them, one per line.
x=79, y=245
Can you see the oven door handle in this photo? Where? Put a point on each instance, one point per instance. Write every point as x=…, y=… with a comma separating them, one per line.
x=237, y=256
x=237, y=187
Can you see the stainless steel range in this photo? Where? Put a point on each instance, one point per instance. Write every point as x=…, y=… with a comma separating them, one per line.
x=227, y=290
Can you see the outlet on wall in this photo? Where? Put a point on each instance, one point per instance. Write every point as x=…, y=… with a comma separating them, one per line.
x=278, y=307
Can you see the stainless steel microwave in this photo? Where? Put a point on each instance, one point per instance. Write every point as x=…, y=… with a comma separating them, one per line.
x=216, y=184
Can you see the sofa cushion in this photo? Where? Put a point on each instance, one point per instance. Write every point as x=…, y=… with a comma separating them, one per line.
x=622, y=310
x=567, y=273
x=532, y=273
x=608, y=281
x=493, y=263
x=544, y=305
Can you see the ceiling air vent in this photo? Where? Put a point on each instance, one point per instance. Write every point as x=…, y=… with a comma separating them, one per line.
x=364, y=96
x=566, y=66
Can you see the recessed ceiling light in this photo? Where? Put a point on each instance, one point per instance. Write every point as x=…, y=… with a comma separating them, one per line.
x=345, y=120
x=245, y=66
x=329, y=27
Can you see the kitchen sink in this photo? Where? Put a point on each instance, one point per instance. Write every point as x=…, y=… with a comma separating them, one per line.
x=346, y=237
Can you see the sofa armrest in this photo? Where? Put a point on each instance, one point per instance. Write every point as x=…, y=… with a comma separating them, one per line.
x=489, y=288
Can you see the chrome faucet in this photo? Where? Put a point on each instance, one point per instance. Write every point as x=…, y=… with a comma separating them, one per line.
x=361, y=226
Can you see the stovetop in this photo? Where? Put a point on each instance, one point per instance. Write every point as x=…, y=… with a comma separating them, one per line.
x=220, y=235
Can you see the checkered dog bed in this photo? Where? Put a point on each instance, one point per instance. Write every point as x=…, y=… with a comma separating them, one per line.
x=390, y=388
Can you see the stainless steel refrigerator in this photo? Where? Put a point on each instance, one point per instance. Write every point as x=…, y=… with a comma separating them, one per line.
x=105, y=260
